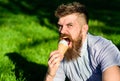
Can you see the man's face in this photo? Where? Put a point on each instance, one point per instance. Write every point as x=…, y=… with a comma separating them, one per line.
x=70, y=29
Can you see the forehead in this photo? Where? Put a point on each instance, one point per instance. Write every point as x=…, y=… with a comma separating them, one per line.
x=68, y=19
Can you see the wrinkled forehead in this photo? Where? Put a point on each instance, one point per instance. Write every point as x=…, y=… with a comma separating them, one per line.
x=72, y=18
x=67, y=19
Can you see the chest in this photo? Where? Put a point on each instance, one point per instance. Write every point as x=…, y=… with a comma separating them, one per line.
x=83, y=70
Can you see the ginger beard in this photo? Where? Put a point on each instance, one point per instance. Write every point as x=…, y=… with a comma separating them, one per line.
x=74, y=52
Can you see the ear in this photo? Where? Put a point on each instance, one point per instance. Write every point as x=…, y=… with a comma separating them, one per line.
x=85, y=29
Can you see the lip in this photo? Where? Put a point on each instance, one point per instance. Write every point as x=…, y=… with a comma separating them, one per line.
x=68, y=40
x=70, y=44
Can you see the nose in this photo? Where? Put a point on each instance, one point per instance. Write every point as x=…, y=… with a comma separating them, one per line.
x=63, y=30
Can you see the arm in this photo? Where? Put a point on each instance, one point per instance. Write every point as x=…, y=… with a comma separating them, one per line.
x=111, y=74
x=53, y=65
x=48, y=77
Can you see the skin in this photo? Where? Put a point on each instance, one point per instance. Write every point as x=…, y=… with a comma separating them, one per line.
x=111, y=74
x=72, y=24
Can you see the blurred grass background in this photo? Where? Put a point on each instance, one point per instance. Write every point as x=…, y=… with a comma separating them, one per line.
x=28, y=34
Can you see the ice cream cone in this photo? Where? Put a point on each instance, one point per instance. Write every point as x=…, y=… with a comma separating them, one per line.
x=63, y=46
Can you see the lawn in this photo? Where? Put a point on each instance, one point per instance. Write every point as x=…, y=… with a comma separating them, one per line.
x=28, y=33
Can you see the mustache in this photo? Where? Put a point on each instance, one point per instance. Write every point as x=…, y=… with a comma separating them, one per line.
x=65, y=36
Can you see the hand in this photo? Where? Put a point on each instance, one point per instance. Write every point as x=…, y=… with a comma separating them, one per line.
x=54, y=62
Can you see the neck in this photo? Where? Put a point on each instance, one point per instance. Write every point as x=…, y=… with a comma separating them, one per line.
x=83, y=38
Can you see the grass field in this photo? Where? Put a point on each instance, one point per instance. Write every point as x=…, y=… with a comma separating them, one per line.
x=28, y=34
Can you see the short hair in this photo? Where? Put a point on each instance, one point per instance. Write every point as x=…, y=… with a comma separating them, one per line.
x=74, y=7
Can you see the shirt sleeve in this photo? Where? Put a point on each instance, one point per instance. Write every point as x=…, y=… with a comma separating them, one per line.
x=60, y=75
x=109, y=55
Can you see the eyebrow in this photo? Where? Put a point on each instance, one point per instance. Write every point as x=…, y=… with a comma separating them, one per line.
x=69, y=24
x=59, y=24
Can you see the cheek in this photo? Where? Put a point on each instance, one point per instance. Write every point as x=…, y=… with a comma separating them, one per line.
x=75, y=34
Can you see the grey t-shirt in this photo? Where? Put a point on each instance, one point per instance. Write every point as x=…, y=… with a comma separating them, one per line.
x=97, y=55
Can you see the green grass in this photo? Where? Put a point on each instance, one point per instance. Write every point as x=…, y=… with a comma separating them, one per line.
x=24, y=36
x=28, y=36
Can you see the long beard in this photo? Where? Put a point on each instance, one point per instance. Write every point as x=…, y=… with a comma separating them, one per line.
x=74, y=52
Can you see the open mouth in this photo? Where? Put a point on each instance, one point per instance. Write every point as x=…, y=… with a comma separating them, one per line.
x=67, y=39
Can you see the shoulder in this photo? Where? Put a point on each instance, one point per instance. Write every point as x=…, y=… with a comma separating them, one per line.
x=100, y=44
x=103, y=51
x=97, y=40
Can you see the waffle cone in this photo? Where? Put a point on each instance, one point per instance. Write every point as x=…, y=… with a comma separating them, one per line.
x=62, y=48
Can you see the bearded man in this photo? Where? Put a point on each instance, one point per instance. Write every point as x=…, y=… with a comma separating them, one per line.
x=88, y=58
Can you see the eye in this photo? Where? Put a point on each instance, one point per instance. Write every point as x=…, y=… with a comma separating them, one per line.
x=59, y=27
x=69, y=25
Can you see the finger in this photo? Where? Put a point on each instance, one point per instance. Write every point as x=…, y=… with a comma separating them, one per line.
x=55, y=63
x=54, y=52
x=52, y=58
